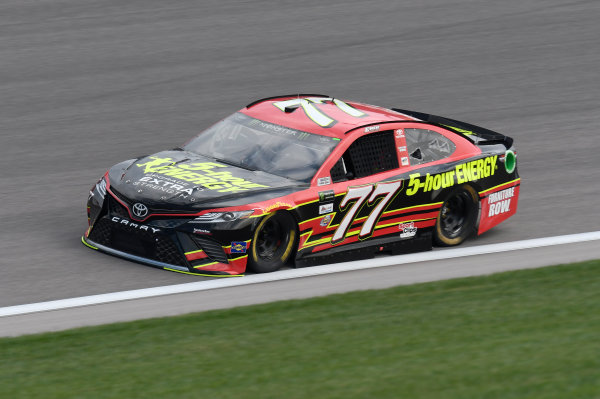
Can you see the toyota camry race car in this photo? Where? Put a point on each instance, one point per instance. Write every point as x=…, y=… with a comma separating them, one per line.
x=302, y=180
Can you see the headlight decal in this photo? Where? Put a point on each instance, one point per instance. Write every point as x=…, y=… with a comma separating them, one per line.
x=219, y=217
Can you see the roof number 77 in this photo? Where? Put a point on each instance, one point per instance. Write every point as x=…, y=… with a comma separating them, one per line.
x=314, y=113
x=360, y=194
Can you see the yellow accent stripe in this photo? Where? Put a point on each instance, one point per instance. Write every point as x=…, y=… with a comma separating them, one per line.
x=401, y=209
x=207, y=264
x=308, y=232
x=307, y=238
x=499, y=185
x=316, y=242
x=415, y=206
x=87, y=245
x=329, y=226
x=326, y=240
x=194, y=252
x=332, y=217
x=239, y=257
x=204, y=275
x=364, y=217
x=320, y=217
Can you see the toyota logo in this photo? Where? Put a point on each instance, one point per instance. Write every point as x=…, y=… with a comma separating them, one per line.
x=140, y=210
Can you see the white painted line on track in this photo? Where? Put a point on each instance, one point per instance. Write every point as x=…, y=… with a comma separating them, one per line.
x=297, y=273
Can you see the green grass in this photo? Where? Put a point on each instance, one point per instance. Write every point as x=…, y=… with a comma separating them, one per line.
x=526, y=334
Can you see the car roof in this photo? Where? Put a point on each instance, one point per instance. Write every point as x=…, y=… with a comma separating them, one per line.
x=288, y=111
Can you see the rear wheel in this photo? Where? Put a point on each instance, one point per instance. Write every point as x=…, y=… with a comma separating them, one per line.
x=457, y=218
x=273, y=243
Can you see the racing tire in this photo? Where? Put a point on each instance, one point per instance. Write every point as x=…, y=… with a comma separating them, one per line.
x=457, y=219
x=273, y=243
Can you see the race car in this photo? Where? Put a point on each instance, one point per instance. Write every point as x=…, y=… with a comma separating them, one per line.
x=300, y=180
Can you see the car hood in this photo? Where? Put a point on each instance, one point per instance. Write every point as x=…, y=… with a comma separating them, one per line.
x=184, y=181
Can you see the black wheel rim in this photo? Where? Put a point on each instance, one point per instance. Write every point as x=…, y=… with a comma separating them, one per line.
x=455, y=214
x=270, y=241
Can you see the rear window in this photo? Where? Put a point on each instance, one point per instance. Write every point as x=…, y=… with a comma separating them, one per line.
x=427, y=146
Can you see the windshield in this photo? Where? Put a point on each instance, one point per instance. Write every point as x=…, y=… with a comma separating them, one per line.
x=254, y=144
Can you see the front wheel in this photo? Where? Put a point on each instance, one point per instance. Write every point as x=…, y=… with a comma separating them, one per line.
x=273, y=242
x=457, y=218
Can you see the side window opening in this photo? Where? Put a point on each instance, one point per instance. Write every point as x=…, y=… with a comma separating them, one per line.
x=339, y=171
x=368, y=155
x=427, y=146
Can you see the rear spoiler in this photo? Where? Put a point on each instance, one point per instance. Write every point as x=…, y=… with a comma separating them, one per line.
x=476, y=134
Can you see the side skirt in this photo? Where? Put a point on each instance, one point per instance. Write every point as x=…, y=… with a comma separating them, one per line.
x=423, y=242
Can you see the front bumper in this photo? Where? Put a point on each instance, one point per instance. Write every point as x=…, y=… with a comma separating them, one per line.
x=94, y=245
x=169, y=244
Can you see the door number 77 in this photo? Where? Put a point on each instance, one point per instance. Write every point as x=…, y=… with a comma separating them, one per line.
x=361, y=194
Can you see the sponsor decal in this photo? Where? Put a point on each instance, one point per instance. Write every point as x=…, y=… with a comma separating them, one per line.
x=326, y=208
x=370, y=129
x=140, y=210
x=166, y=185
x=316, y=115
x=206, y=174
x=239, y=247
x=323, y=181
x=129, y=223
x=325, y=221
x=278, y=205
x=408, y=230
x=401, y=147
x=325, y=196
x=463, y=173
x=201, y=231
x=500, y=202
x=282, y=130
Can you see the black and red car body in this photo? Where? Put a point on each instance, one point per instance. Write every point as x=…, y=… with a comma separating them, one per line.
x=302, y=180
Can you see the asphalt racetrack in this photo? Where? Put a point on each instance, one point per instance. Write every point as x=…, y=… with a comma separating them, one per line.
x=86, y=84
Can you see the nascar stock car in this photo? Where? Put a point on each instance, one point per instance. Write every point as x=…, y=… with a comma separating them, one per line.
x=303, y=180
